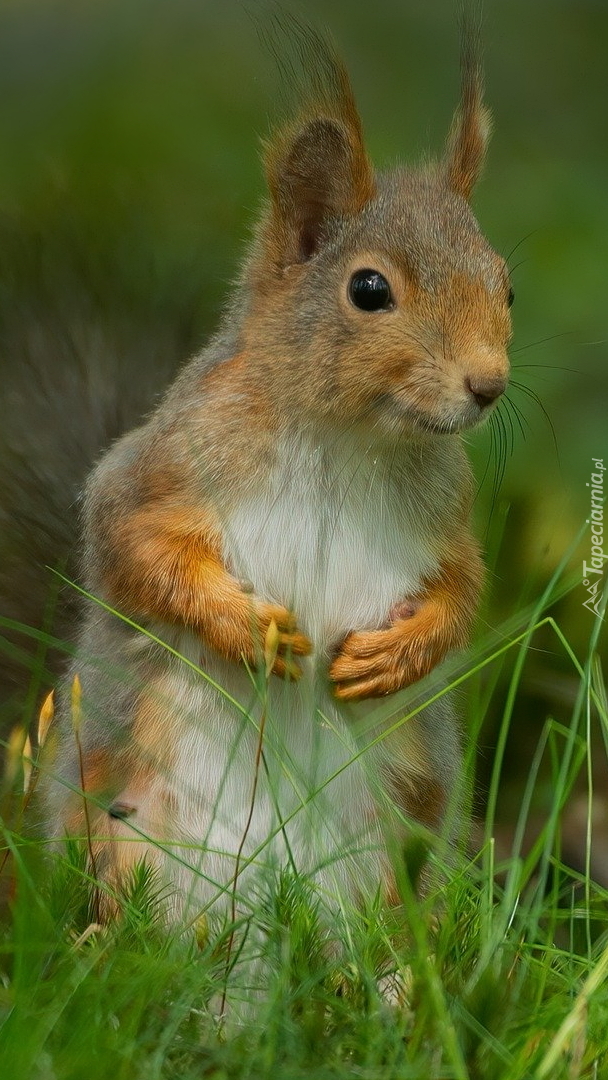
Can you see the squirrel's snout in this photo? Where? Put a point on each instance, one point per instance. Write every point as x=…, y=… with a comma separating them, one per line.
x=485, y=390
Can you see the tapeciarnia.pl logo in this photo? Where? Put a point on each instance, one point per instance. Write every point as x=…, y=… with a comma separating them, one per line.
x=593, y=571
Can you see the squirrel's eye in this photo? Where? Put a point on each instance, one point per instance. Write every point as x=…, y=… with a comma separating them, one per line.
x=370, y=291
x=511, y=298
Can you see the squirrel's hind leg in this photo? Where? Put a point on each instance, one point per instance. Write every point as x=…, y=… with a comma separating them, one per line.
x=119, y=837
x=106, y=788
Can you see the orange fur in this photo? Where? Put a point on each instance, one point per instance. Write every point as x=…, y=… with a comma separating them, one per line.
x=170, y=569
x=377, y=662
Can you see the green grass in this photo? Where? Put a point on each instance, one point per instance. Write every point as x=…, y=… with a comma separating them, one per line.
x=500, y=973
x=128, y=182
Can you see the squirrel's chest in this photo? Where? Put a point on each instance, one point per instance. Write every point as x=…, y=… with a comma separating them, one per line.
x=338, y=546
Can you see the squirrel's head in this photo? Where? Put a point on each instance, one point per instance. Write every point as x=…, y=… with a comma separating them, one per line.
x=376, y=295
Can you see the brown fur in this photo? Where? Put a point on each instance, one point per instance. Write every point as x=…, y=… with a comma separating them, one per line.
x=316, y=167
x=298, y=363
x=471, y=127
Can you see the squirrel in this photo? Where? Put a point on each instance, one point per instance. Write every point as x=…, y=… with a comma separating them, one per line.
x=287, y=538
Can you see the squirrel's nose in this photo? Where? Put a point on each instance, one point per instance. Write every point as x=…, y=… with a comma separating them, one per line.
x=485, y=390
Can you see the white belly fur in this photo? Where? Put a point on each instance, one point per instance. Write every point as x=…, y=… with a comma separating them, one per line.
x=337, y=545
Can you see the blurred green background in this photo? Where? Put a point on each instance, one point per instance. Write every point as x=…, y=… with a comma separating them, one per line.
x=129, y=179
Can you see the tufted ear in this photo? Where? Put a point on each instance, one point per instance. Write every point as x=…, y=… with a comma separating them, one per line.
x=316, y=166
x=470, y=130
x=316, y=170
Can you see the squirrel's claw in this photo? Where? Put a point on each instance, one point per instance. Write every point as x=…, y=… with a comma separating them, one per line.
x=360, y=689
x=286, y=669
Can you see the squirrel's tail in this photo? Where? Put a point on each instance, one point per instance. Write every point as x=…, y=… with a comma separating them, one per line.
x=77, y=368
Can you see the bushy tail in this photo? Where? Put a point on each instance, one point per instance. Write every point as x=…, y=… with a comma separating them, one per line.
x=79, y=365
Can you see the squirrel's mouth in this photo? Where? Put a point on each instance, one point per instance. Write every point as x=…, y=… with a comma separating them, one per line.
x=462, y=421
x=469, y=416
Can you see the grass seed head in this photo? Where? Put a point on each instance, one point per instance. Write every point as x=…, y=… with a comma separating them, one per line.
x=76, y=705
x=45, y=717
x=14, y=752
x=271, y=646
x=26, y=762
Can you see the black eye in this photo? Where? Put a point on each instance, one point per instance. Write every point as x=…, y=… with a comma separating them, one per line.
x=370, y=291
x=511, y=298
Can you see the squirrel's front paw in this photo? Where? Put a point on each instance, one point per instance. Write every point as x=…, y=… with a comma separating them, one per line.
x=290, y=641
x=378, y=662
x=239, y=631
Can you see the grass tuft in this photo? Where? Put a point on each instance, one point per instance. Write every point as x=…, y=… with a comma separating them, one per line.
x=501, y=974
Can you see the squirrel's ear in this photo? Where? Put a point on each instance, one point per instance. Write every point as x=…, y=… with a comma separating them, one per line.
x=315, y=169
x=471, y=125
